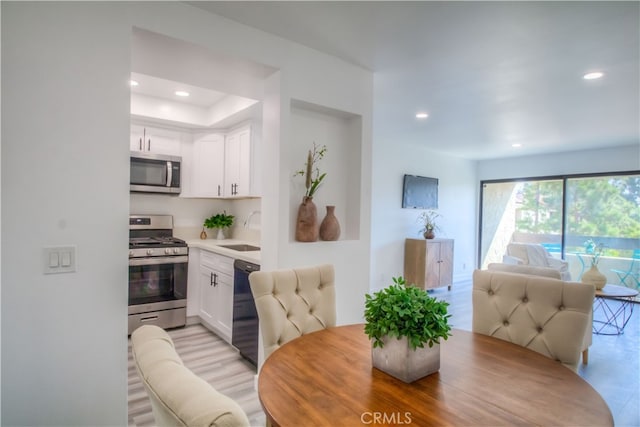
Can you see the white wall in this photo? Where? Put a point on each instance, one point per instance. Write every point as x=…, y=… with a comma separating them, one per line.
x=65, y=180
x=66, y=106
x=391, y=224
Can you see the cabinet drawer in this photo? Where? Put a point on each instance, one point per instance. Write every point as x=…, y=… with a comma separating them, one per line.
x=221, y=263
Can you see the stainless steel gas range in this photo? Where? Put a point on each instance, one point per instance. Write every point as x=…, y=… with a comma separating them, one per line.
x=157, y=273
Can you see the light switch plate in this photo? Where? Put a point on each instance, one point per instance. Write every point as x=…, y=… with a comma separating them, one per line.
x=59, y=259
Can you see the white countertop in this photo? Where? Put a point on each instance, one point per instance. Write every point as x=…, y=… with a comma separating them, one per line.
x=213, y=245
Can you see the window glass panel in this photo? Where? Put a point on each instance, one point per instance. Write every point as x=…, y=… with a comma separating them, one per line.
x=520, y=211
x=600, y=211
x=604, y=211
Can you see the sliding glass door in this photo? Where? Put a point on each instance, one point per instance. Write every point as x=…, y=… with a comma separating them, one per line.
x=520, y=211
x=568, y=215
x=603, y=211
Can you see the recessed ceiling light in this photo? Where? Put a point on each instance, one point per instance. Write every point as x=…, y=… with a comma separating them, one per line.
x=133, y=83
x=593, y=76
x=421, y=115
x=182, y=93
x=516, y=145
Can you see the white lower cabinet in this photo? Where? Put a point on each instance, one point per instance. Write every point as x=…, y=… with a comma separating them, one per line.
x=216, y=293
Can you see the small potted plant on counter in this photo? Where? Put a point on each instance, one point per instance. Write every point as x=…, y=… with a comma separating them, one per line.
x=219, y=221
x=400, y=320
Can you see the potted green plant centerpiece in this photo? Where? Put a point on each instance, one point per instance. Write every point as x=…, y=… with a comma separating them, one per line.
x=400, y=320
x=219, y=221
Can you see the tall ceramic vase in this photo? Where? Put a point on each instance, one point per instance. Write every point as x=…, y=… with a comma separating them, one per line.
x=330, y=227
x=307, y=221
x=593, y=277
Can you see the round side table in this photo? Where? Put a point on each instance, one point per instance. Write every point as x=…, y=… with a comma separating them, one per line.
x=612, y=309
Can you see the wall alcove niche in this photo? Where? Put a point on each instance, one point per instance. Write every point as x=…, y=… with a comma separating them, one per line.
x=341, y=132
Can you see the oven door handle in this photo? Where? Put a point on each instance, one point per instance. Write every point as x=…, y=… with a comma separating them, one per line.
x=159, y=260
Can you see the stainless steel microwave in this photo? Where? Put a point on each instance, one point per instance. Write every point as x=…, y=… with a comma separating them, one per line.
x=154, y=173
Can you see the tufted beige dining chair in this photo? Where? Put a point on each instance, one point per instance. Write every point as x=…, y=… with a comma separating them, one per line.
x=293, y=302
x=546, y=315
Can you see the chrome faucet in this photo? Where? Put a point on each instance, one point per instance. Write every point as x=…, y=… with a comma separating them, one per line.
x=246, y=222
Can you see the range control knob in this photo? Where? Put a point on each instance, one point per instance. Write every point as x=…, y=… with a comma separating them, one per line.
x=167, y=251
x=130, y=254
x=176, y=250
x=149, y=251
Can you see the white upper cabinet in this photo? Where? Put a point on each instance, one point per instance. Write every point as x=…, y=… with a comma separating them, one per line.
x=238, y=163
x=155, y=140
x=221, y=165
x=215, y=164
x=207, y=166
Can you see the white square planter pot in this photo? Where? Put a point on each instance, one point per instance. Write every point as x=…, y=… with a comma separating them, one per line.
x=397, y=359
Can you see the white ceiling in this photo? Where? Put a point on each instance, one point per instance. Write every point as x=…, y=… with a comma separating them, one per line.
x=166, y=89
x=489, y=74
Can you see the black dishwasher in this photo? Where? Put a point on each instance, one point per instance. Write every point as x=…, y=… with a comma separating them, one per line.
x=245, y=317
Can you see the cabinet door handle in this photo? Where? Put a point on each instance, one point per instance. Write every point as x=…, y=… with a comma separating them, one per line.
x=211, y=280
x=219, y=190
x=149, y=145
x=140, y=144
x=215, y=279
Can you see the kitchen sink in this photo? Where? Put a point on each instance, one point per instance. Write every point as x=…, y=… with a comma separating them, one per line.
x=241, y=248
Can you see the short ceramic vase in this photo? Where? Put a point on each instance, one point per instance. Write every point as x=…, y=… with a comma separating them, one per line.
x=330, y=227
x=593, y=277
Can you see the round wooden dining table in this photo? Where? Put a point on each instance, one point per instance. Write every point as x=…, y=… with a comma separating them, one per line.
x=326, y=379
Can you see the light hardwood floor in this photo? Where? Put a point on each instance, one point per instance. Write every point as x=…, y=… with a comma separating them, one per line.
x=613, y=369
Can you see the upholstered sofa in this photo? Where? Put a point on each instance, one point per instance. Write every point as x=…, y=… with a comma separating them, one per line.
x=537, y=256
x=526, y=269
x=178, y=397
x=547, y=315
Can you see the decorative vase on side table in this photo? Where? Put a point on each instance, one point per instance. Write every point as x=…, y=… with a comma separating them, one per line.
x=307, y=221
x=330, y=227
x=593, y=277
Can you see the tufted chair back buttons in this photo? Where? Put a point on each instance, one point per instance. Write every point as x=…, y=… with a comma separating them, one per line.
x=293, y=302
x=546, y=315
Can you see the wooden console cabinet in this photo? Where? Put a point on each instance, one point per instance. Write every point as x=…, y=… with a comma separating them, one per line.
x=428, y=263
